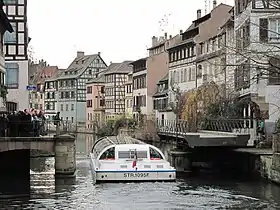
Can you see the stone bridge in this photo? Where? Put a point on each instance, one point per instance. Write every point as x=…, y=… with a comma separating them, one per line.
x=231, y=133
x=15, y=160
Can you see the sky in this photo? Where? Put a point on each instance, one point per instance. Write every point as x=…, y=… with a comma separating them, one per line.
x=120, y=30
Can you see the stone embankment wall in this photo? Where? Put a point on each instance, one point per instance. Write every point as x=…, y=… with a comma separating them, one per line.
x=270, y=165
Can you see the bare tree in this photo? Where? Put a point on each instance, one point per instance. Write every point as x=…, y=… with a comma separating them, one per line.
x=256, y=59
x=176, y=104
x=31, y=54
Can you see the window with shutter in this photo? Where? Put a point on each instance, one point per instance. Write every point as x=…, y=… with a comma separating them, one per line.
x=274, y=71
x=263, y=29
x=274, y=30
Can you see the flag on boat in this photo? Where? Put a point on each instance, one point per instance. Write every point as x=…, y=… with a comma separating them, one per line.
x=134, y=161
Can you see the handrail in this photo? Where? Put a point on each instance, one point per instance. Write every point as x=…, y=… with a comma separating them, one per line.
x=98, y=140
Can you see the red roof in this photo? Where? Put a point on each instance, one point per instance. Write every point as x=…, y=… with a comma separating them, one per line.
x=46, y=73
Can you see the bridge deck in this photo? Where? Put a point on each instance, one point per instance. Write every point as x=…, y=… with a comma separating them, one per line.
x=211, y=138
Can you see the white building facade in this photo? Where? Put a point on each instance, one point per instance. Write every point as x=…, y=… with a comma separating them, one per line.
x=4, y=26
x=257, y=35
x=16, y=57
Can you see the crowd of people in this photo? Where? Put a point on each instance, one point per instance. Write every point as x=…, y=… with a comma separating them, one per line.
x=25, y=123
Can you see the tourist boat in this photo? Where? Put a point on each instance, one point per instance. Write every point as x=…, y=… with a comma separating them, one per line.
x=122, y=158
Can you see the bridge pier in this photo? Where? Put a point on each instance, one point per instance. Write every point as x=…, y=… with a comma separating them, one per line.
x=181, y=160
x=15, y=173
x=65, y=156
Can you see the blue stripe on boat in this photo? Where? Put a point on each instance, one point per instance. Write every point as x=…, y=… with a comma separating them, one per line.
x=155, y=171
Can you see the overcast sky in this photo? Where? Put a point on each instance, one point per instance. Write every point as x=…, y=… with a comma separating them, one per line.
x=120, y=30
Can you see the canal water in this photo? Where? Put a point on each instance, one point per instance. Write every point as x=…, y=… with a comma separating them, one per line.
x=186, y=193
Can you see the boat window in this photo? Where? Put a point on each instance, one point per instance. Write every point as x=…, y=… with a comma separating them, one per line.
x=130, y=154
x=142, y=154
x=109, y=154
x=124, y=154
x=155, y=154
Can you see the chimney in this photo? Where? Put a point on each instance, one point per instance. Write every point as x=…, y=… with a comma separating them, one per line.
x=80, y=54
x=111, y=62
x=214, y=3
x=165, y=36
x=198, y=12
x=170, y=36
x=99, y=53
x=154, y=41
x=181, y=31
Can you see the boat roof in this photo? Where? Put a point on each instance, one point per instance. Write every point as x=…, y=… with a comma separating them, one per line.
x=108, y=141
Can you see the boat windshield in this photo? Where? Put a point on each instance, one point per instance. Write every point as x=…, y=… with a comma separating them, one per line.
x=155, y=155
x=109, y=154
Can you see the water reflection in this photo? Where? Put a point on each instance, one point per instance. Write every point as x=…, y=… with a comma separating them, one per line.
x=191, y=193
x=84, y=143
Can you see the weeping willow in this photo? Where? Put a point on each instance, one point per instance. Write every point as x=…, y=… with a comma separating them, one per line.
x=198, y=101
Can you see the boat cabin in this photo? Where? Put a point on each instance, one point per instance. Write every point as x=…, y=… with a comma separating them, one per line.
x=124, y=148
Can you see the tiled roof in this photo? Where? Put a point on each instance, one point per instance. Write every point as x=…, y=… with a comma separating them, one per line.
x=99, y=79
x=191, y=27
x=165, y=78
x=78, y=66
x=55, y=76
x=165, y=91
x=101, y=75
x=141, y=59
x=123, y=67
x=46, y=73
x=162, y=93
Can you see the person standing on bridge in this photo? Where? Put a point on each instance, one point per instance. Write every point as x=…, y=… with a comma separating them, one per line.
x=261, y=129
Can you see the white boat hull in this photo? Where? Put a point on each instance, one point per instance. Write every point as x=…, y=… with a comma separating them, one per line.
x=133, y=175
x=128, y=176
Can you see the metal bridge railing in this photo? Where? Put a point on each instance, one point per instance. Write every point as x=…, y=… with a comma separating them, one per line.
x=172, y=127
x=221, y=125
x=228, y=125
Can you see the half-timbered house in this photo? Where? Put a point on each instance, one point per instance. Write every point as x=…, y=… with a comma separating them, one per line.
x=36, y=97
x=4, y=26
x=15, y=50
x=115, y=88
x=72, y=86
x=51, y=96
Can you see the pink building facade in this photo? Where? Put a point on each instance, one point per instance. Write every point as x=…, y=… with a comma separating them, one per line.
x=95, y=102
